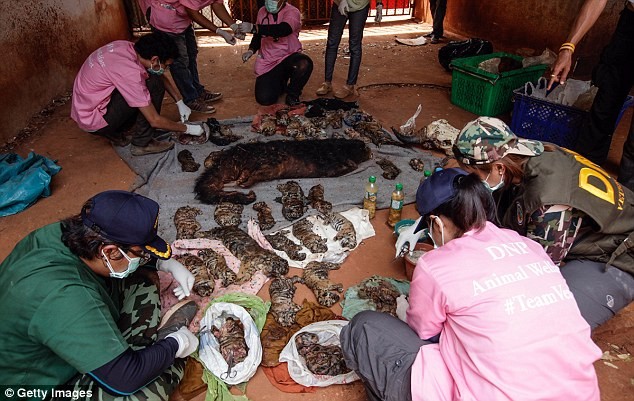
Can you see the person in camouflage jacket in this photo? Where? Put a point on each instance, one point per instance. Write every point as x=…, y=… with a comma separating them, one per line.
x=582, y=217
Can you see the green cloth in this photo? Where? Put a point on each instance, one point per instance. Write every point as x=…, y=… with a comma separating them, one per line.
x=352, y=304
x=353, y=5
x=217, y=390
x=58, y=317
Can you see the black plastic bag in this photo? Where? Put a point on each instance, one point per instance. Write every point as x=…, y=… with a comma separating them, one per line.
x=465, y=48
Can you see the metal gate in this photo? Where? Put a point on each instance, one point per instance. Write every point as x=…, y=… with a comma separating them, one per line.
x=313, y=11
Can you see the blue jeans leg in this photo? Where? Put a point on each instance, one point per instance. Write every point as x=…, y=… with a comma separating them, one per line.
x=355, y=30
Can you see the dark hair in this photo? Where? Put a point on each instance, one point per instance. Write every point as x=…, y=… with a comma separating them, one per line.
x=81, y=240
x=471, y=207
x=156, y=44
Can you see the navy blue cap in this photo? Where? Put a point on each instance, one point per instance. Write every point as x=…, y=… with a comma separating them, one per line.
x=439, y=188
x=126, y=218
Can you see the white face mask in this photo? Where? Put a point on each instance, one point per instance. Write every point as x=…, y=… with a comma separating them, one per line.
x=495, y=187
x=442, y=230
x=133, y=264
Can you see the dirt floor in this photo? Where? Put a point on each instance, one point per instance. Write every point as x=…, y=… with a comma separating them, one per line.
x=90, y=165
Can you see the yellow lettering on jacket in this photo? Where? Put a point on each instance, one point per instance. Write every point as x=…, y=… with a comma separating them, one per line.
x=584, y=183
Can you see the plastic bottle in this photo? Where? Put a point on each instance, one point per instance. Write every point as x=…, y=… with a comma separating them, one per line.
x=369, y=200
x=396, y=205
x=427, y=173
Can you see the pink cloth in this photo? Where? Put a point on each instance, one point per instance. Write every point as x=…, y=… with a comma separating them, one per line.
x=113, y=66
x=509, y=326
x=271, y=53
x=171, y=15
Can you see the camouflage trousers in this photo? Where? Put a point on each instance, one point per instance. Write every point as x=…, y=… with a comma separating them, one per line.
x=139, y=319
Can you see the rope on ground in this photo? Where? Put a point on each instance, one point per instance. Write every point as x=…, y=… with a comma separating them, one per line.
x=404, y=85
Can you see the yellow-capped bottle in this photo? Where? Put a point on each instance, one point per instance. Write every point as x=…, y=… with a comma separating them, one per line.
x=396, y=205
x=369, y=200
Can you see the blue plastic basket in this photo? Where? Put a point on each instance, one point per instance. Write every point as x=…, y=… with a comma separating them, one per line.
x=550, y=122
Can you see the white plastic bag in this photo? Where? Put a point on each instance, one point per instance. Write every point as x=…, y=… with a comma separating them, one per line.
x=209, y=351
x=410, y=124
x=328, y=332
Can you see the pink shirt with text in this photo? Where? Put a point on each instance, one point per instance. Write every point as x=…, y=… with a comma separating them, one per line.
x=509, y=326
x=171, y=15
x=272, y=52
x=113, y=66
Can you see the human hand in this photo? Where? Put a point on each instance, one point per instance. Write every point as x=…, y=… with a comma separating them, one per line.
x=247, y=55
x=236, y=32
x=183, y=277
x=343, y=7
x=229, y=38
x=379, y=12
x=402, y=304
x=187, y=342
x=407, y=235
x=561, y=68
x=246, y=27
x=183, y=111
x=194, y=129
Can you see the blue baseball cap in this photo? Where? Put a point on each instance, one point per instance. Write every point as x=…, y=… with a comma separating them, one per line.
x=126, y=218
x=439, y=188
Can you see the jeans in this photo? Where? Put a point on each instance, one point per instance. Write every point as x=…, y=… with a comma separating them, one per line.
x=438, y=10
x=290, y=76
x=120, y=116
x=185, y=69
x=614, y=75
x=335, y=31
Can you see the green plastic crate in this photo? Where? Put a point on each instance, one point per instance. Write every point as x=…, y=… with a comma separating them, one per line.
x=486, y=94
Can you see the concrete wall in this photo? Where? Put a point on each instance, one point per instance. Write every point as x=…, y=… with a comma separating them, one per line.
x=43, y=43
x=534, y=24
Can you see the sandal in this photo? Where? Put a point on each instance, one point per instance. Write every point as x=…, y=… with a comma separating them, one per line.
x=344, y=92
x=324, y=89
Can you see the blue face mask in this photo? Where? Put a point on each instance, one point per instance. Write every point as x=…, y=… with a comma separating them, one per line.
x=271, y=6
x=495, y=187
x=133, y=264
x=159, y=72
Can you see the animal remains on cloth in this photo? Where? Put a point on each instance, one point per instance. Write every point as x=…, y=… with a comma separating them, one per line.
x=320, y=359
x=187, y=226
x=265, y=215
x=346, y=234
x=230, y=335
x=283, y=308
x=203, y=281
x=438, y=135
x=316, y=278
x=281, y=242
x=251, y=255
x=417, y=164
x=381, y=293
x=186, y=159
x=251, y=163
x=228, y=214
x=317, y=201
x=390, y=171
x=217, y=266
x=303, y=231
x=293, y=200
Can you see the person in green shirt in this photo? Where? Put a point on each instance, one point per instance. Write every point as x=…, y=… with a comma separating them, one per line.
x=75, y=310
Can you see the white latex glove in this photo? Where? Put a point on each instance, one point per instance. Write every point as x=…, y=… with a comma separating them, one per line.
x=229, y=38
x=407, y=235
x=236, y=31
x=247, y=55
x=379, y=13
x=194, y=129
x=246, y=27
x=183, y=111
x=343, y=7
x=401, y=307
x=187, y=342
x=183, y=277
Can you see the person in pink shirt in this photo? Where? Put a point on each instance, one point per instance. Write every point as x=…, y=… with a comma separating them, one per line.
x=174, y=17
x=280, y=65
x=490, y=317
x=121, y=85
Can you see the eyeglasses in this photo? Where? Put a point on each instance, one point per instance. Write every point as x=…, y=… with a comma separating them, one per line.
x=144, y=255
